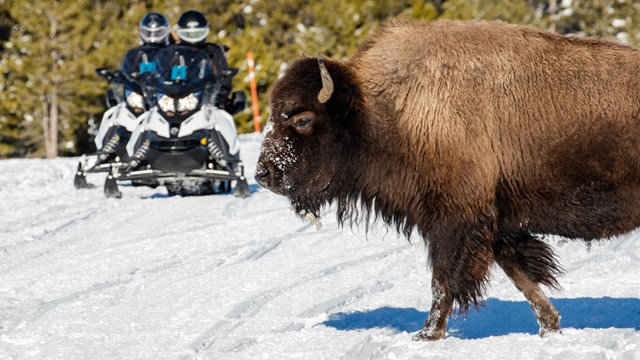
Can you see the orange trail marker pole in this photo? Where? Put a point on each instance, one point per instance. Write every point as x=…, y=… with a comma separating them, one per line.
x=254, y=92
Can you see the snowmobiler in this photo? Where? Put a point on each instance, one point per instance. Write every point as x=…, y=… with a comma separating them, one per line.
x=192, y=29
x=127, y=99
x=184, y=142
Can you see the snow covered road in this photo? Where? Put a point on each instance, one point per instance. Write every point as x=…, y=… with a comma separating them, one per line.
x=215, y=277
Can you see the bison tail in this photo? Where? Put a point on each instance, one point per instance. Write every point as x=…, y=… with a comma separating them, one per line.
x=531, y=255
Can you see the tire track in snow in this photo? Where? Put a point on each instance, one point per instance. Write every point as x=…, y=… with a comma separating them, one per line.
x=67, y=221
x=235, y=254
x=77, y=296
x=45, y=307
x=344, y=299
x=48, y=248
x=367, y=351
x=172, y=263
x=232, y=207
x=128, y=279
x=251, y=307
x=272, y=244
x=18, y=207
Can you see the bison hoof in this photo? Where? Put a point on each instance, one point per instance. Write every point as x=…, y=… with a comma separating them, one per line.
x=546, y=332
x=426, y=335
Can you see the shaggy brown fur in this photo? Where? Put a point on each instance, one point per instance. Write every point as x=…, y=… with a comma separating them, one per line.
x=478, y=135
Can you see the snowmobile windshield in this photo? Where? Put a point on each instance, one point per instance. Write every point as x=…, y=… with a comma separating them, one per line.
x=182, y=69
x=138, y=61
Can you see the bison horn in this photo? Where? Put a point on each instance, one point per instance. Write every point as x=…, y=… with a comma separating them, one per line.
x=327, y=84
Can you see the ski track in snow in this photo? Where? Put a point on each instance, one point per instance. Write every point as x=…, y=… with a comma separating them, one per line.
x=216, y=277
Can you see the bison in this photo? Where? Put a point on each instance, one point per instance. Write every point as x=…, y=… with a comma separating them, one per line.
x=483, y=137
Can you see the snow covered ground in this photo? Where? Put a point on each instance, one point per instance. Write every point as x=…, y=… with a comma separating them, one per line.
x=156, y=277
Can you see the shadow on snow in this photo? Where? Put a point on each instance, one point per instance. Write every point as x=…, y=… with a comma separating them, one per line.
x=253, y=188
x=498, y=317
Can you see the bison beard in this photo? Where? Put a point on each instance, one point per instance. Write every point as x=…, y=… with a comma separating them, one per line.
x=478, y=136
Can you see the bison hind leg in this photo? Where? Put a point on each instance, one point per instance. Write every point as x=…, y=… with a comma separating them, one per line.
x=530, y=255
x=528, y=262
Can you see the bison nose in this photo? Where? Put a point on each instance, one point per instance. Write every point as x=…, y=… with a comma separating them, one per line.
x=262, y=177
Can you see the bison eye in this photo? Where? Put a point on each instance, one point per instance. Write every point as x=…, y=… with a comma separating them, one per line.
x=303, y=121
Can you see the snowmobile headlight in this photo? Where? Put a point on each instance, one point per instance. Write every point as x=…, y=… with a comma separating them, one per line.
x=134, y=100
x=188, y=103
x=166, y=104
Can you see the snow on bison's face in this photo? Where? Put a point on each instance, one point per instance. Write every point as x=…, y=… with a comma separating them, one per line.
x=303, y=140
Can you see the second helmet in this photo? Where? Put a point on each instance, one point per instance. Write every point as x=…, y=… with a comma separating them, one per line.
x=192, y=27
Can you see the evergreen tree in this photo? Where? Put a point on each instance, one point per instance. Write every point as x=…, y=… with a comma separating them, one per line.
x=46, y=65
x=520, y=12
x=10, y=130
x=619, y=19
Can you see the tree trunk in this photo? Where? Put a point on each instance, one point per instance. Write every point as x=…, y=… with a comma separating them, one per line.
x=45, y=125
x=52, y=148
x=51, y=99
x=553, y=10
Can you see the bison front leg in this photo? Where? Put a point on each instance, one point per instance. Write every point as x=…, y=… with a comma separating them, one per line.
x=460, y=256
x=435, y=327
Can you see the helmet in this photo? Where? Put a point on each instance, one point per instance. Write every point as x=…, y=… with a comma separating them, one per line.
x=192, y=27
x=154, y=29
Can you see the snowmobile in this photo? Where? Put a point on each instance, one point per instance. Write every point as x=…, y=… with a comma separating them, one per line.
x=127, y=100
x=184, y=142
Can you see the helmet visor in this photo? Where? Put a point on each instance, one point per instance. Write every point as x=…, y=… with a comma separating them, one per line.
x=154, y=34
x=193, y=35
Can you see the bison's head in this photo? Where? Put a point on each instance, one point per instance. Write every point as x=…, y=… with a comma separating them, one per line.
x=306, y=146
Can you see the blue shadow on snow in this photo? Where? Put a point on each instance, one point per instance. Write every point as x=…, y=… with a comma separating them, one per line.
x=498, y=317
x=254, y=188
x=163, y=195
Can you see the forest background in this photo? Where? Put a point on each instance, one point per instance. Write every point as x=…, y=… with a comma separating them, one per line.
x=51, y=100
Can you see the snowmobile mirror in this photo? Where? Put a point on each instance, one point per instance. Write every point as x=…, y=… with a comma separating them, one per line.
x=230, y=72
x=105, y=73
x=111, y=98
x=238, y=102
